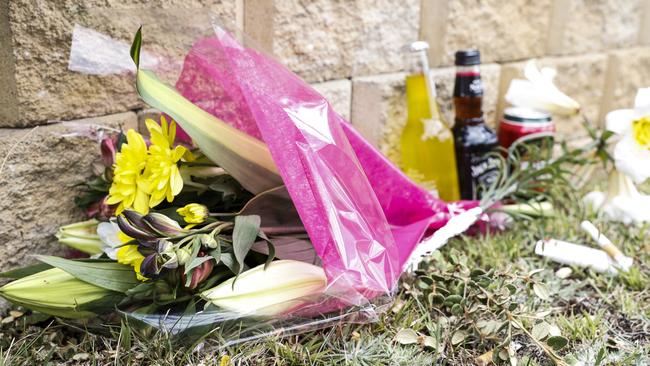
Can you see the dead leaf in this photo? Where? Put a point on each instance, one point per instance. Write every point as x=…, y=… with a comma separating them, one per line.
x=484, y=359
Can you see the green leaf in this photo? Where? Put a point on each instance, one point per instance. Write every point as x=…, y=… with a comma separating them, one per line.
x=121, y=139
x=196, y=246
x=271, y=247
x=453, y=299
x=108, y=275
x=540, y=331
x=196, y=262
x=244, y=234
x=125, y=335
x=541, y=291
x=216, y=252
x=557, y=342
x=228, y=259
x=136, y=46
x=271, y=255
x=457, y=310
x=19, y=273
x=436, y=299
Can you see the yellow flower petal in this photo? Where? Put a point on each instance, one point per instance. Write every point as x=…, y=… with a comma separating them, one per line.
x=141, y=203
x=152, y=125
x=163, y=124
x=176, y=180
x=113, y=199
x=128, y=169
x=194, y=213
x=171, y=135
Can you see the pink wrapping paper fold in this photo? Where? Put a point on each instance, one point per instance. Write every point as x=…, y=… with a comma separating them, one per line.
x=363, y=216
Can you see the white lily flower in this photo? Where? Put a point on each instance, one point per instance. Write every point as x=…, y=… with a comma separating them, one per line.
x=109, y=235
x=632, y=151
x=539, y=92
x=622, y=202
x=277, y=289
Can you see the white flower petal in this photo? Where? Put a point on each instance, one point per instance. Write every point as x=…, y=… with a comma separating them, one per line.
x=539, y=92
x=548, y=73
x=108, y=234
x=632, y=159
x=620, y=121
x=594, y=199
x=642, y=102
x=629, y=210
x=622, y=203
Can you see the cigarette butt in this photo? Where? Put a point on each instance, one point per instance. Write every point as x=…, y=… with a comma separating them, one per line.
x=575, y=254
x=606, y=245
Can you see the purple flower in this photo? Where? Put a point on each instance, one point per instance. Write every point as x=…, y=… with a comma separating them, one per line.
x=108, y=151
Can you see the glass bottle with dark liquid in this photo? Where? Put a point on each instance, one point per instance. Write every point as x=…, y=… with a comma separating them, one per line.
x=474, y=141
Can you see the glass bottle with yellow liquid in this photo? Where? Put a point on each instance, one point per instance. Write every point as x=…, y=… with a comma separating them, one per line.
x=428, y=155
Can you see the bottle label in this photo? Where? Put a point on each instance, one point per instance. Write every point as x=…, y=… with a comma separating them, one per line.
x=484, y=170
x=468, y=84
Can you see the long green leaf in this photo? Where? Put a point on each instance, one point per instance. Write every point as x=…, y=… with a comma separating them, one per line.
x=246, y=158
x=229, y=260
x=197, y=262
x=270, y=247
x=108, y=275
x=196, y=246
x=19, y=273
x=136, y=46
x=243, y=236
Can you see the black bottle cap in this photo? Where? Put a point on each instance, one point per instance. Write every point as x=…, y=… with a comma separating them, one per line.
x=468, y=57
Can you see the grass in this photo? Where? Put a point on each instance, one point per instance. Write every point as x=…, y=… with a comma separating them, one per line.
x=516, y=304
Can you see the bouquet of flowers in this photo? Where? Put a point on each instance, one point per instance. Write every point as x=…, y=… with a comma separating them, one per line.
x=249, y=198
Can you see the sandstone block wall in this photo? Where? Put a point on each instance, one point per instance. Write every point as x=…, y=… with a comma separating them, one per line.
x=351, y=52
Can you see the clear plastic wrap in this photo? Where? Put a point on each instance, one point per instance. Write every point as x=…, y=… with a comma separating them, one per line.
x=363, y=216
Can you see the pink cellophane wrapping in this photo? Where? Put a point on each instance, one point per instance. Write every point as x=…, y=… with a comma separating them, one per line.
x=363, y=216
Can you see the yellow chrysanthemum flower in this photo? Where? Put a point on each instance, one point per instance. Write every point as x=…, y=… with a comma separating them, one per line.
x=193, y=213
x=130, y=256
x=641, y=131
x=128, y=184
x=163, y=179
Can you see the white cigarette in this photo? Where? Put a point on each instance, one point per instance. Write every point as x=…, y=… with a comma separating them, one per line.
x=575, y=254
x=607, y=245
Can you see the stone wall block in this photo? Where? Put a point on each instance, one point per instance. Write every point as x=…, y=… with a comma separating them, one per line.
x=628, y=70
x=596, y=25
x=39, y=181
x=323, y=40
x=40, y=34
x=501, y=30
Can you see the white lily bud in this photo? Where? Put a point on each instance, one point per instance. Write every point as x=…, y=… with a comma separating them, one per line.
x=539, y=92
x=282, y=286
x=55, y=292
x=81, y=236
